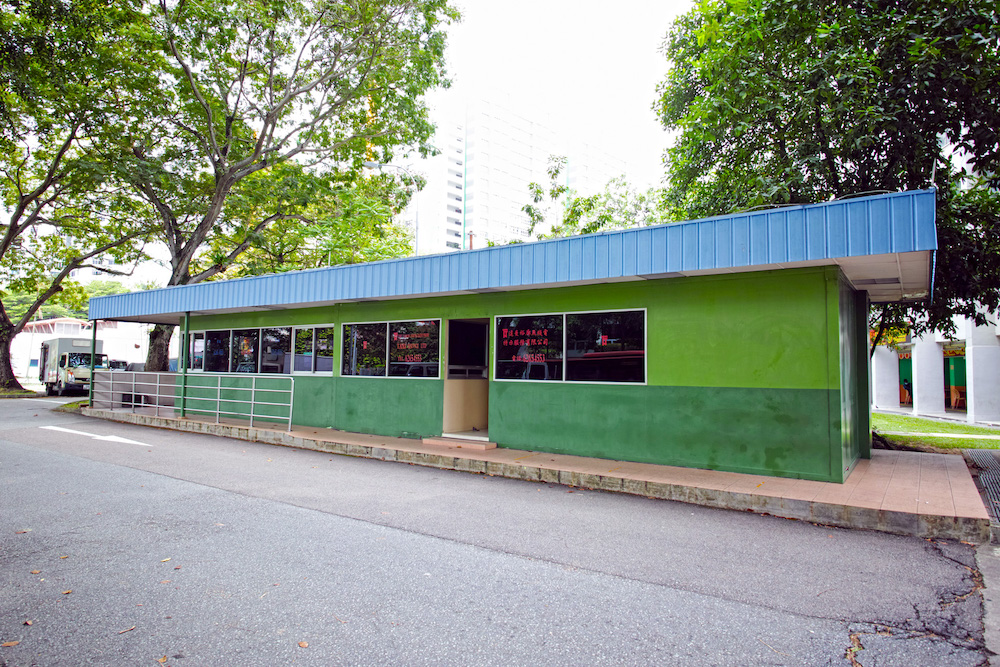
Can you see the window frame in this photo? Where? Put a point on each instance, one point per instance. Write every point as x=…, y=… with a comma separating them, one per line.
x=565, y=352
x=260, y=334
x=385, y=373
x=312, y=359
x=190, y=351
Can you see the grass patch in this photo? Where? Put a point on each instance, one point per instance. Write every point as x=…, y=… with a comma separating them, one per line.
x=931, y=444
x=16, y=393
x=74, y=406
x=883, y=423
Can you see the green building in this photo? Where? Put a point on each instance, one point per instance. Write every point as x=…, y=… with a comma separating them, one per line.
x=733, y=343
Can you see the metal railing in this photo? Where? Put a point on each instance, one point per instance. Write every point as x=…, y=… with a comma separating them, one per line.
x=239, y=396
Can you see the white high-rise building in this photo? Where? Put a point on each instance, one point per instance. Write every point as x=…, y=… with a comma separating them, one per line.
x=478, y=184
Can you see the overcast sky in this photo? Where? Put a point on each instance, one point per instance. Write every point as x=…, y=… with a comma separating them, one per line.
x=590, y=67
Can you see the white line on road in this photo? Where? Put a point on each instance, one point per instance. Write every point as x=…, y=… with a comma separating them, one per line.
x=43, y=400
x=109, y=438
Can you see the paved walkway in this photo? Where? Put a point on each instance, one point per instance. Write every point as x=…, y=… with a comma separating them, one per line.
x=907, y=493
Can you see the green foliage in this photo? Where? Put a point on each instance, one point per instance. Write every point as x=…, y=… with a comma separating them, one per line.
x=783, y=102
x=346, y=223
x=619, y=206
x=67, y=74
x=71, y=301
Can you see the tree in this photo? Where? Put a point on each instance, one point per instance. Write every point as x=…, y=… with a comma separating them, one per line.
x=620, y=205
x=784, y=102
x=65, y=70
x=256, y=96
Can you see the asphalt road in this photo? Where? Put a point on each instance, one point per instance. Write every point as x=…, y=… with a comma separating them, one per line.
x=157, y=547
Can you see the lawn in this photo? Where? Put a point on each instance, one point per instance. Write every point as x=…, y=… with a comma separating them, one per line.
x=886, y=423
x=17, y=393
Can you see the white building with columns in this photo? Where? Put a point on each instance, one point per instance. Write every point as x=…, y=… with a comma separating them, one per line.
x=917, y=374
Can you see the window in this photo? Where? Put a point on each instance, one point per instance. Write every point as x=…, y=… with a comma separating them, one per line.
x=414, y=348
x=326, y=348
x=245, y=346
x=276, y=350
x=598, y=347
x=303, y=358
x=196, y=354
x=529, y=348
x=364, y=349
x=606, y=347
x=217, y=351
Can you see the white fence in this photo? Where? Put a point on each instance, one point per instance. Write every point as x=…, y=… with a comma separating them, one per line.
x=257, y=398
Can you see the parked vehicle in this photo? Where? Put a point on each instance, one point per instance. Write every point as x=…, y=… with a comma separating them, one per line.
x=64, y=364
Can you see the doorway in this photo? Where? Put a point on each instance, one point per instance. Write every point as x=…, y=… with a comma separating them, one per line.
x=466, y=381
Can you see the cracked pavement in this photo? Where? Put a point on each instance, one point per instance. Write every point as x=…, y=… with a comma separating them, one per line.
x=384, y=563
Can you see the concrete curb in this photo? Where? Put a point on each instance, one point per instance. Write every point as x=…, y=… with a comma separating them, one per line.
x=967, y=529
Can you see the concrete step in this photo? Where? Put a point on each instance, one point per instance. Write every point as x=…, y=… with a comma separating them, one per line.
x=480, y=445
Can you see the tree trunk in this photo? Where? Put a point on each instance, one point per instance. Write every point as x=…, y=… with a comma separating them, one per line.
x=7, y=378
x=158, y=358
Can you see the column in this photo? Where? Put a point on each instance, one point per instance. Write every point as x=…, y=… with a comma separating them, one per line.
x=928, y=376
x=982, y=372
x=885, y=378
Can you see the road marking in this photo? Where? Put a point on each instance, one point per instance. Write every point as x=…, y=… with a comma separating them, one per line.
x=43, y=400
x=109, y=438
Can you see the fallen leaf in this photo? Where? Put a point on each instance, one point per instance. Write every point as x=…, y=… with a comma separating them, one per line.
x=68, y=592
x=127, y=630
x=178, y=567
x=164, y=560
x=9, y=644
x=63, y=557
x=36, y=572
x=304, y=644
x=22, y=532
x=161, y=660
x=165, y=581
x=27, y=622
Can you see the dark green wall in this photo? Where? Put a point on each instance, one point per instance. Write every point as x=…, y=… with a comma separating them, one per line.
x=758, y=430
x=756, y=372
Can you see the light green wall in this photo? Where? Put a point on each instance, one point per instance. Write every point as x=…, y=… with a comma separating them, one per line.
x=766, y=329
x=754, y=372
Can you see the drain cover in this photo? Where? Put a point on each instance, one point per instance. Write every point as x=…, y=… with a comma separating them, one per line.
x=989, y=479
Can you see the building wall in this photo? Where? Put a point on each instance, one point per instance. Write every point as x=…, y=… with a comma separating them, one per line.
x=755, y=372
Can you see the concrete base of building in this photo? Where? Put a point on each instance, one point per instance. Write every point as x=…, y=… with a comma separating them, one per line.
x=904, y=493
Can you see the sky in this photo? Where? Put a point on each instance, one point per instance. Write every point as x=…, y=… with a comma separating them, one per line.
x=588, y=67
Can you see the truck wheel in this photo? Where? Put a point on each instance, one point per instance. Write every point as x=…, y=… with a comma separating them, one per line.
x=60, y=388
x=48, y=390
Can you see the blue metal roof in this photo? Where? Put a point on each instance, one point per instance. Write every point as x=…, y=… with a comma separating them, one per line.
x=866, y=236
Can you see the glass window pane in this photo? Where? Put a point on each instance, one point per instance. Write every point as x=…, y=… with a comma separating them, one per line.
x=196, y=355
x=303, y=350
x=364, y=349
x=326, y=348
x=529, y=348
x=276, y=350
x=606, y=347
x=217, y=351
x=245, y=347
x=414, y=348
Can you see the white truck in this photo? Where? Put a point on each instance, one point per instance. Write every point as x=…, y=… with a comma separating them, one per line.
x=64, y=363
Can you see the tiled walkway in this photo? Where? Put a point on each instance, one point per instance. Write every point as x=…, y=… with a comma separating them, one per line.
x=909, y=493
